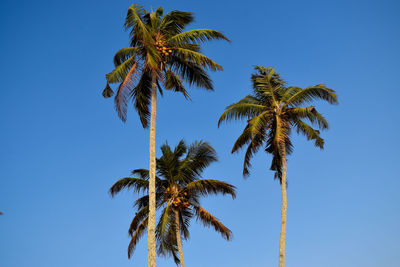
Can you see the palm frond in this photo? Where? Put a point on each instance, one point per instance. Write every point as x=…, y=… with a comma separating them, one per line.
x=142, y=173
x=137, y=184
x=141, y=95
x=210, y=186
x=252, y=149
x=199, y=156
x=136, y=236
x=192, y=72
x=107, y=92
x=121, y=71
x=184, y=221
x=197, y=58
x=180, y=149
x=196, y=36
x=174, y=22
x=309, y=132
x=124, y=91
x=311, y=114
x=139, y=30
x=164, y=223
x=246, y=108
x=166, y=235
x=312, y=93
x=208, y=220
x=254, y=130
x=174, y=82
x=124, y=54
x=138, y=219
x=143, y=201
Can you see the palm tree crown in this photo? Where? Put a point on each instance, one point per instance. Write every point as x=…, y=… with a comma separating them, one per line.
x=179, y=188
x=272, y=111
x=159, y=46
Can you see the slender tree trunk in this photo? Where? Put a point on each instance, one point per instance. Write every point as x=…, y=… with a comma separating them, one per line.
x=284, y=210
x=178, y=239
x=151, y=240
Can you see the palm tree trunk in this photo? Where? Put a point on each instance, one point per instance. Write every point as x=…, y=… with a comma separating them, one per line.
x=284, y=210
x=151, y=240
x=178, y=238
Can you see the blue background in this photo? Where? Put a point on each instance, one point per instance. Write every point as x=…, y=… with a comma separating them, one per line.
x=62, y=145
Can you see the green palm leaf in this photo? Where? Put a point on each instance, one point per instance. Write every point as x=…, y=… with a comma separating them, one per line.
x=196, y=36
x=208, y=186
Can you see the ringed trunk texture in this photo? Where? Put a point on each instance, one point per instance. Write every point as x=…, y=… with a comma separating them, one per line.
x=178, y=239
x=284, y=210
x=151, y=240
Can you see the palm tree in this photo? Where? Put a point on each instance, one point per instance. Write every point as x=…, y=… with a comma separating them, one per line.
x=272, y=111
x=178, y=192
x=160, y=55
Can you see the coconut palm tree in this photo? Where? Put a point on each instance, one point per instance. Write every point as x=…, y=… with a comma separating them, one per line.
x=272, y=111
x=161, y=55
x=178, y=192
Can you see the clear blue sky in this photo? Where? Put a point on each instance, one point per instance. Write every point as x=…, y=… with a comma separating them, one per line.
x=62, y=145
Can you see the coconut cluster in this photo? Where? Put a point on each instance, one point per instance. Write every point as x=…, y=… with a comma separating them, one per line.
x=163, y=49
x=179, y=201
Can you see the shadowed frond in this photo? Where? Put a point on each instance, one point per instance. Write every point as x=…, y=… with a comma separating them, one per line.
x=198, y=58
x=166, y=235
x=140, y=33
x=199, y=156
x=164, y=223
x=174, y=82
x=124, y=54
x=142, y=173
x=137, y=184
x=138, y=219
x=144, y=201
x=136, y=236
x=107, y=92
x=180, y=149
x=192, y=73
x=184, y=221
x=141, y=95
x=250, y=151
x=174, y=22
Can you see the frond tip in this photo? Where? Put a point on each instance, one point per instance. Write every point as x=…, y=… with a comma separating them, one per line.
x=209, y=220
x=107, y=92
